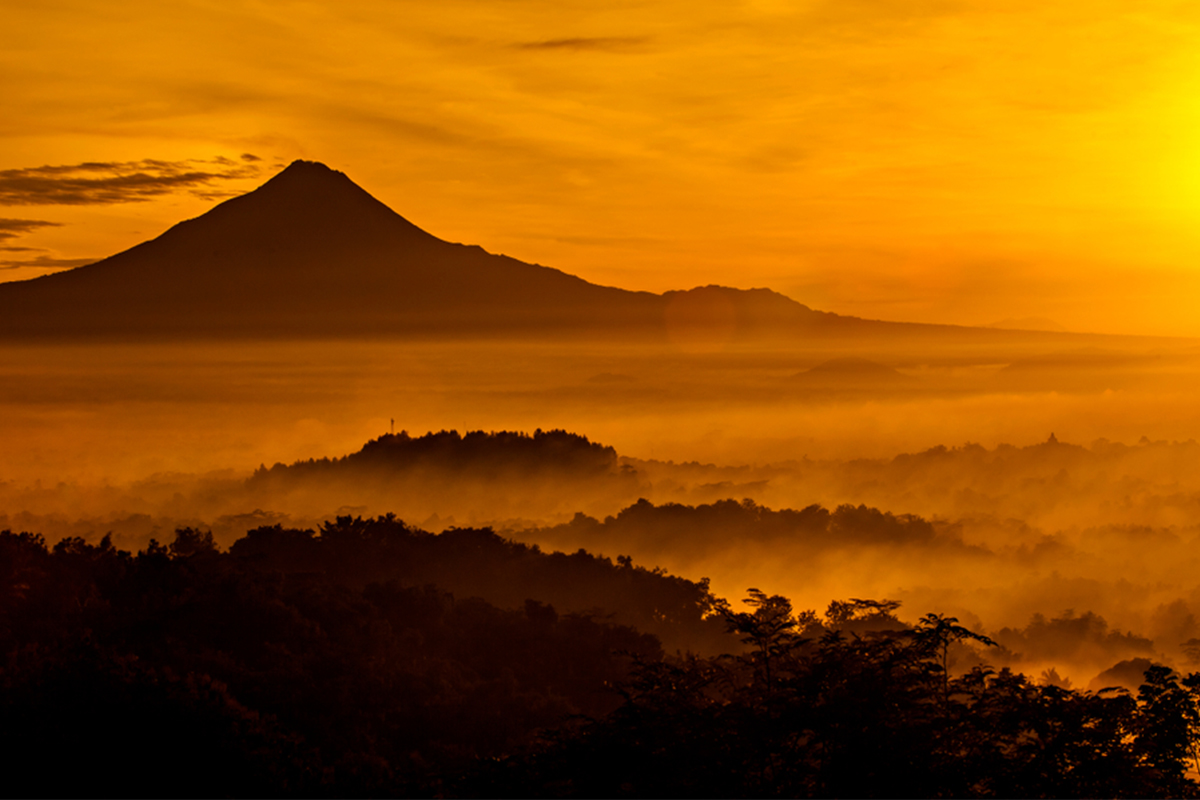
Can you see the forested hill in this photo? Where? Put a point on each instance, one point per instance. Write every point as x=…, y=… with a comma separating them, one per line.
x=476, y=476
x=470, y=562
x=477, y=453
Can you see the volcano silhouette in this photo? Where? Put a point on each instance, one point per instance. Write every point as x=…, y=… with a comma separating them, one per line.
x=310, y=253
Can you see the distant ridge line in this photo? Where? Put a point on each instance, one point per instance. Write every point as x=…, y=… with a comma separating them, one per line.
x=312, y=255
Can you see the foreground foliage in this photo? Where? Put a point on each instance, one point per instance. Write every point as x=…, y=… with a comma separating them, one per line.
x=871, y=713
x=186, y=671
x=294, y=665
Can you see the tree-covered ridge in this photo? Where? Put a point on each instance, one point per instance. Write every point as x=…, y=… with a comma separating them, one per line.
x=470, y=562
x=670, y=525
x=479, y=477
x=496, y=453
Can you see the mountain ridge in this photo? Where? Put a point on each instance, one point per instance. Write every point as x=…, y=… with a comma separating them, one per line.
x=310, y=254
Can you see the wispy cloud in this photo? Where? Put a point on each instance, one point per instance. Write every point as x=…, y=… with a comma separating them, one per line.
x=12, y=228
x=585, y=43
x=44, y=262
x=104, y=182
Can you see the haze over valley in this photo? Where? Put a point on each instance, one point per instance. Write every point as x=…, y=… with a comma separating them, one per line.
x=306, y=319
x=752, y=399
x=302, y=358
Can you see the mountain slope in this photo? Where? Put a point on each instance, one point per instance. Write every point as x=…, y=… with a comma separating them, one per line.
x=311, y=253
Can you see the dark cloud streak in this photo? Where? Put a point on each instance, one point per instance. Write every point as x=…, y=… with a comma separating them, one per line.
x=46, y=262
x=12, y=228
x=585, y=43
x=105, y=182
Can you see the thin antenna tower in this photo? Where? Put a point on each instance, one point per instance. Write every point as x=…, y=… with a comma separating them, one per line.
x=393, y=426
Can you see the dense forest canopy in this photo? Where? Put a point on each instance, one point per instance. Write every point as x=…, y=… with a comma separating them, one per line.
x=373, y=658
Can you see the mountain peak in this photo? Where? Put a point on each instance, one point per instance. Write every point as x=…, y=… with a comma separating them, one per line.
x=301, y=165
x=308, y=173
x=311, y=253
x=308, y=180
x=305, y=206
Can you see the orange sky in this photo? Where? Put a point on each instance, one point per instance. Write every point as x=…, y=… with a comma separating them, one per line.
x=926, y=160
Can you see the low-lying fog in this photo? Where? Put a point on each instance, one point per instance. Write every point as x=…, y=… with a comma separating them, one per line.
x=971, y=508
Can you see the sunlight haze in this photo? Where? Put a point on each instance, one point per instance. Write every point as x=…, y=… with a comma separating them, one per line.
x=643, y=398
x=927, y=161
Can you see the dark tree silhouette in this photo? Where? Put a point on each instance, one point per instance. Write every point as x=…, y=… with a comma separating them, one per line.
x=860, y=714
x=305, y=663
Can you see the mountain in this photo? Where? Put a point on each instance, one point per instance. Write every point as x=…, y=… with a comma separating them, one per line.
x=851, y=371
x=311, y=254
